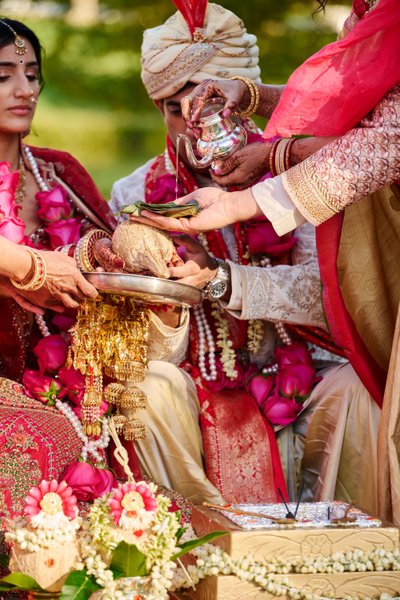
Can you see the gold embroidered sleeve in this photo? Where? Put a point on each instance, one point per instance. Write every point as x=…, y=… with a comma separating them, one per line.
x=362, y=161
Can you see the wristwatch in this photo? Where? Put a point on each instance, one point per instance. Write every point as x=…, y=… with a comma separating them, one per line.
x=218, y=286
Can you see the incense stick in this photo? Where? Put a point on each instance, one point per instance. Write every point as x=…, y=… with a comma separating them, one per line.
x=237, y=511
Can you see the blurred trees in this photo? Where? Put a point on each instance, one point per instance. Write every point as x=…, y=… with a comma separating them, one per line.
x=94, y=104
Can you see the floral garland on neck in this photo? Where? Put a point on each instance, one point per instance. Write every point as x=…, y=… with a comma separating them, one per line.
x=52, y=383
x=280, y=396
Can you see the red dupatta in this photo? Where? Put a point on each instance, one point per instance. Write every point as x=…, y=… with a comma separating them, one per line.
x=328, y=95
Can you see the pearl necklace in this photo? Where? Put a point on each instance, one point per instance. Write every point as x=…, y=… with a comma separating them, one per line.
x=204, y=330
x=89, y=446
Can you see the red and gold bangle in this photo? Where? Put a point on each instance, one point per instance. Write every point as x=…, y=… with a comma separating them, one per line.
x=288, y=162
x=84, y=254
x=39, y=273
x=271, y=158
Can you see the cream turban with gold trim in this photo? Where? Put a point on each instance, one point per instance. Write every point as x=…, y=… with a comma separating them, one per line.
x=222, y=48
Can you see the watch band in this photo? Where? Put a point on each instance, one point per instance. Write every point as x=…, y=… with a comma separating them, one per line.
x=217, y=287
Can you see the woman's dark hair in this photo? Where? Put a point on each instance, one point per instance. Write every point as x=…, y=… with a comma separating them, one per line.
x=7, y=37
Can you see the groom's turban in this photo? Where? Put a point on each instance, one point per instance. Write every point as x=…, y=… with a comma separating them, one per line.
x=222, y=48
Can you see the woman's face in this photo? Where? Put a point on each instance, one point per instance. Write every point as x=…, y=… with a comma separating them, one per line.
x=19, y=89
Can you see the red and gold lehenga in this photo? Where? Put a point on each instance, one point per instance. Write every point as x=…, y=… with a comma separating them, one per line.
x=36, y=441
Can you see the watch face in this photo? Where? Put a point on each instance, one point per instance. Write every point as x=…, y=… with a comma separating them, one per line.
x=218, y=289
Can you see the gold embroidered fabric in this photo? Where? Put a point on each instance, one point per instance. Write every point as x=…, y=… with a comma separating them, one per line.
x=355, y=165
x=171, y=57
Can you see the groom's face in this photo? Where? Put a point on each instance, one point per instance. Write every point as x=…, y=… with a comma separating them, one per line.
x=171, y=110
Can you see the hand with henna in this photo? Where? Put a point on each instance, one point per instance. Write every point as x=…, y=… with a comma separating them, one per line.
x=235, y=93
x=106, y=257
x=243, y=168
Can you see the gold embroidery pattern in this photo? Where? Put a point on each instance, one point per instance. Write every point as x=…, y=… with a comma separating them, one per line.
x=355, y=165
x=36, y=442
x=190, y=59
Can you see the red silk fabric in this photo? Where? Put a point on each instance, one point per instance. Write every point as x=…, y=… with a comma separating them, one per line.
x=336, y=87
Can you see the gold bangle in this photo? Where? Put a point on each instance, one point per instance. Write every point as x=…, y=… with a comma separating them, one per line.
x=84, y=254
x=254, y=97
x=39, y=273
x=281, y=155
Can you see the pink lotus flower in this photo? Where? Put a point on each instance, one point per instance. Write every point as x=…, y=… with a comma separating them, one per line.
x=89, y=482
x=13, y=228
x=64, y=232
x=281, y=411
x=164, y=190
x=260, y=387
x=54, y=205
x=51, y=352
x=41, y=387
x=132, y=504
x=52, y=498
x=296, y=353
x=296, y=381
x=261, y=238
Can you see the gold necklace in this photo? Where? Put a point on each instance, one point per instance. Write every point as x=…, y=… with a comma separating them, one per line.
x=21, y=190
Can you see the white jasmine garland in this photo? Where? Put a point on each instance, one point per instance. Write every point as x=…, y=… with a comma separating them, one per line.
x=224, y=343
x=212, y=560
x=32, y=537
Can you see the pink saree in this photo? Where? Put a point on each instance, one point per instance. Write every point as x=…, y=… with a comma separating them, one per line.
x=327, y=96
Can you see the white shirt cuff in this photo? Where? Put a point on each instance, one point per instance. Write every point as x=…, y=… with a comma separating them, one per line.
x=277, y=206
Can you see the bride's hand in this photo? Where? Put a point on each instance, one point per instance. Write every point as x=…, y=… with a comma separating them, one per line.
x=107, y=259
x=64, y=284
x=218, y=209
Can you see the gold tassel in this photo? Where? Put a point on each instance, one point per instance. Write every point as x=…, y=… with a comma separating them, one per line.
x=113, y=391
x=134, y=430
x=132, y=398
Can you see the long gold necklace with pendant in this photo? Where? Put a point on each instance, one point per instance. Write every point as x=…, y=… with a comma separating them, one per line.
x=21, y=189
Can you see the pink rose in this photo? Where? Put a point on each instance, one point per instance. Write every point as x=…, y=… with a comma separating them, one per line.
x=63, y=322
x=164, y=190
x=41, y=387
x=53, y=205
x=281, y=411
x=296, y=353
x=260, y=387
x=13, y=228
x=89, y=482
x=296, y=381
x=66, y=231
x=261, y=238
x=51, y=352
x=74, y=383
x=223, y=382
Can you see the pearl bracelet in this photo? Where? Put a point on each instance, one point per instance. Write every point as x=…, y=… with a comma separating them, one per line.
x=39, y=273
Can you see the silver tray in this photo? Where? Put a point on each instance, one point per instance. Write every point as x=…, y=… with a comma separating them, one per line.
x=146, y=290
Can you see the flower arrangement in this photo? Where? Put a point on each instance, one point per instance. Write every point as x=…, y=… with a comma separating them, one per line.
x=131, y=532
x=44, y=541
x=281, y=394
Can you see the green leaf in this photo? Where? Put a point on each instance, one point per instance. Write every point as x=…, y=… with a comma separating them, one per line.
x=79, y=586
x=192, y=544
x=128, y=561
x=180, y=533
x=20, y=581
